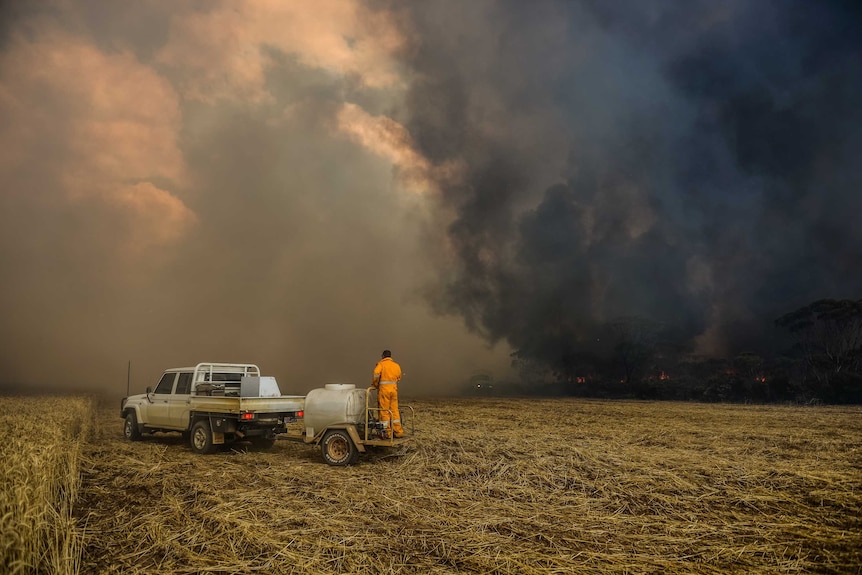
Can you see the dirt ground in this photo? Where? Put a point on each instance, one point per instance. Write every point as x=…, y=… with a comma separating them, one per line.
x=495, y=486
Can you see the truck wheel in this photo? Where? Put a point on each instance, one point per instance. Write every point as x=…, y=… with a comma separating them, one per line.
x=130, y=427
x=338, y=448
x=202, y=437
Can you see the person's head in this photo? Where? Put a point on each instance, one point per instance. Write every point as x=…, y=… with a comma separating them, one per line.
x=386, y=353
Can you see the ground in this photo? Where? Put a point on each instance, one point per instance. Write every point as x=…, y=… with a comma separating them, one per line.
x=495, y=486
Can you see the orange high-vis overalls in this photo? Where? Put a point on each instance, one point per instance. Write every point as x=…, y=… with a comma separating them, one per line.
x=386, y=376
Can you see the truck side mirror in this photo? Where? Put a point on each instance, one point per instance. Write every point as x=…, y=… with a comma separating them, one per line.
x=149, y=390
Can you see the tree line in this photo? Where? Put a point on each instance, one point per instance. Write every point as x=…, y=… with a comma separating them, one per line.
x=823, y=364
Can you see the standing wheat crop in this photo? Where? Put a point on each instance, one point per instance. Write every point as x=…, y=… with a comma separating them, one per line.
x=39, y=480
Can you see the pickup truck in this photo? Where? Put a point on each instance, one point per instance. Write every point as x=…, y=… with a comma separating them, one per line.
x=212, y=404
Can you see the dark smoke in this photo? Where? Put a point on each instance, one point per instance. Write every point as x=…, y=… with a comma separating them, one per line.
x=689, y=163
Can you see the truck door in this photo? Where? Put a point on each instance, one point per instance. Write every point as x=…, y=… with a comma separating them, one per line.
x=178, y=404
x=157, y=411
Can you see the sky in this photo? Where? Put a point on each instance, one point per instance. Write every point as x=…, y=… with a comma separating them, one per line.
x=301, y=185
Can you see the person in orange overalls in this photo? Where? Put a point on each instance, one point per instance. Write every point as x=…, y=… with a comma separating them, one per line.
x=385, y=380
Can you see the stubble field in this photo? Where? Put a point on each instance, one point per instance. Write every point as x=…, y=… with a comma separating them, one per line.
x=488, y=486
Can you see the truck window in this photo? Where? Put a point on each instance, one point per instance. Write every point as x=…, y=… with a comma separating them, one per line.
x=184, y=383
x=166, y=383
x=235, y=377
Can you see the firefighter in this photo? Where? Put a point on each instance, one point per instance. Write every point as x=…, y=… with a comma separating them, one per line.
x=385, y=380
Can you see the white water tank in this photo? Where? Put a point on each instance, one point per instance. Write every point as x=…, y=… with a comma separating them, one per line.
x=333, y=404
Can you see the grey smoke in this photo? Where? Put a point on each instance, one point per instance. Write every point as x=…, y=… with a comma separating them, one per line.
x=691, y=163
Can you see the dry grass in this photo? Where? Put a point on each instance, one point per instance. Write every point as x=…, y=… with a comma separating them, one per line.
x=39, y=481
x=508, y=486
x=489, y=486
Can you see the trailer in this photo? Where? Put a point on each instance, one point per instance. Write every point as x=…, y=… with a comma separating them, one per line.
x=345, y=423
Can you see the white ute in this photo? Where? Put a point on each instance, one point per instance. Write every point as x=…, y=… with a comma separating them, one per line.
x=213, y=404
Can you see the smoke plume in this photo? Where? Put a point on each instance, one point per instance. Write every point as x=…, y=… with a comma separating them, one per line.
x=692, y=164
x=303, y=184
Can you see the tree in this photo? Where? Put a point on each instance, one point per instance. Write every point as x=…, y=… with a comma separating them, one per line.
x=636, y=340
x=829, y=337
x=749, y=379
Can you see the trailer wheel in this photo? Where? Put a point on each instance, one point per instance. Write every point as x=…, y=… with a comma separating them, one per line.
x=202, y=437
x=337, y=448
x=130, y=427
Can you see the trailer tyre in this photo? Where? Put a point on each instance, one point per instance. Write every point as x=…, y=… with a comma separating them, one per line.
x=202, y=437
x=337, y=448
x=130, y=427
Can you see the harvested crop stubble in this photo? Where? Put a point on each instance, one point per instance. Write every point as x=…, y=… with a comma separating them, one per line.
x=497, y=486
x=39, y=481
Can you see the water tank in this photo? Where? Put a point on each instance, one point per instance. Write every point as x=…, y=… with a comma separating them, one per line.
x=334, y=403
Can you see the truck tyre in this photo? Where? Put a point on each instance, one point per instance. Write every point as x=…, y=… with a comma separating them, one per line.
x=202, y=437
x=130, y=427
x=338, y=448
